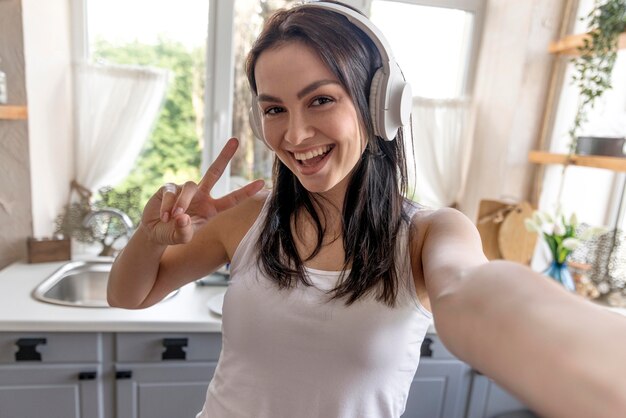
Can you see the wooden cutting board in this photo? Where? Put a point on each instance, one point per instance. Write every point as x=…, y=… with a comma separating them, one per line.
x=514, y=241
x=502, y=231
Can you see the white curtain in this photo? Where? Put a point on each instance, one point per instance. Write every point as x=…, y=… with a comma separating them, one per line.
x=117, y=107
x=443, y=135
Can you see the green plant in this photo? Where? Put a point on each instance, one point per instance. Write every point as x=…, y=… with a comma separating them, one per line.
x=559, y=232
x=105, y=229
x=597, y=57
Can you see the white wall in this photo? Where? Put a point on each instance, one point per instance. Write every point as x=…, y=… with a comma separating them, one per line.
x=510, y=93
x=47, y=50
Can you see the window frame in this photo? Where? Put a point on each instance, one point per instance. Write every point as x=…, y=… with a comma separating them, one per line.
x=219, y=72
x=475, y=7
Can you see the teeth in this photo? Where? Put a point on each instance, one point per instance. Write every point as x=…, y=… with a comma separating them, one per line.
x=310, y=154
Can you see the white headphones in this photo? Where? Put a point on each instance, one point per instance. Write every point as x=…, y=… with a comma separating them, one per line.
x=390, y=94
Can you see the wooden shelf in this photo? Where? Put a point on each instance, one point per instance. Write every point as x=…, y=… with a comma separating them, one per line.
x=13, y=112
x=596, y=161
x=569, y=44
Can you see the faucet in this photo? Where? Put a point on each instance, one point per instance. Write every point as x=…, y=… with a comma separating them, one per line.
x=108, y=249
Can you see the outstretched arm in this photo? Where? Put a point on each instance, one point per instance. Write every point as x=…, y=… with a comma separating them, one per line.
x=558, y=353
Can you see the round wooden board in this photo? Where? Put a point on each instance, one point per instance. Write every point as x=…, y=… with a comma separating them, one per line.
x=514, y=241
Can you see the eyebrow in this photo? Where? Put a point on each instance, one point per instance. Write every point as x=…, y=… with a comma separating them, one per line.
x=308, y=89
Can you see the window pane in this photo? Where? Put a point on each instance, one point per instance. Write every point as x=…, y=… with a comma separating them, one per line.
x=431, y=45
x=253, y=159
x=164, y=34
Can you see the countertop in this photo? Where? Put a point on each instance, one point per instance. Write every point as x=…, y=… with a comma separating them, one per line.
x=185, y=312
x=19, y=311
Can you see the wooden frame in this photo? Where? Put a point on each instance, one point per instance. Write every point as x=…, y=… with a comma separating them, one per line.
x=13, y=112
x=569, y=45
x=596, y=161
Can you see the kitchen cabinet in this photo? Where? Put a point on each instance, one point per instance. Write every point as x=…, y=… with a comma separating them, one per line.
x=164, y=375
x=488, y=400
x=441, y=385
x=51, y=374
x=445, y=387
x=105, y=375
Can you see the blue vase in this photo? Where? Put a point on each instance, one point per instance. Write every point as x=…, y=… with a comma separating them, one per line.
x=560, y=273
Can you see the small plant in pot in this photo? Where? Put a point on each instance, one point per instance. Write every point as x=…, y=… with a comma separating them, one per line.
x=594, y=65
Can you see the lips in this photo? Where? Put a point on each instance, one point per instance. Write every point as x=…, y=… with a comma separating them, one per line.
x=312, y=161
x=304, y=156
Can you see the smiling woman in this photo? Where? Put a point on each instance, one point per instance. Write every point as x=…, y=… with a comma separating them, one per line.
x=308, y=120
x=334, y=275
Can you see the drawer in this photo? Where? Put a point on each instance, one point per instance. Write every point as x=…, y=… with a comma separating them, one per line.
x=49, y=347
x=151, y=347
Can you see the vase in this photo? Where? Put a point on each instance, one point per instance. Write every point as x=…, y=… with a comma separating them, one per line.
x=560, y=273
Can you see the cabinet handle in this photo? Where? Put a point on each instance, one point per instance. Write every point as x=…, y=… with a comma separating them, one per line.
x=123, y=374
x=174, y=349
x=91, y=375
x=27, y=349
x=426, y=350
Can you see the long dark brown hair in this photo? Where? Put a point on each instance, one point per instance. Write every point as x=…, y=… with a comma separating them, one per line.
x=373, y=210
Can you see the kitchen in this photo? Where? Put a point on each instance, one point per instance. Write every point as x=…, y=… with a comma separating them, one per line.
x=512, y=75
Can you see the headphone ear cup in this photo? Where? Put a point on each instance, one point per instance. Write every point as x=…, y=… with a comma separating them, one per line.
x=390, y=102
x=377, y=108
x=256, y=123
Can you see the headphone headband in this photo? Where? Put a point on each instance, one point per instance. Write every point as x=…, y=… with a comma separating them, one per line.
x=390, y=95
x=361, y=22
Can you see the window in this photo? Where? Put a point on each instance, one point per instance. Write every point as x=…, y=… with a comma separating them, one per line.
x=204, y=45
x=163, y=34
x=434, y=42
x=253, y=159
x=212, y=38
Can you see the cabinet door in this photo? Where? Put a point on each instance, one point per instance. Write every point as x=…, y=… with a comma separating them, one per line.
x=53, y=391
x=439, y=390
x=488, y=400
x=162, y=390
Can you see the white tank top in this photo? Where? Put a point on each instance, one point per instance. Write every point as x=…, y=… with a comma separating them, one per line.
x=294, y=354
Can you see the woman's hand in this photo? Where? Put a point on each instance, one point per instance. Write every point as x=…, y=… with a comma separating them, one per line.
x=175, y=212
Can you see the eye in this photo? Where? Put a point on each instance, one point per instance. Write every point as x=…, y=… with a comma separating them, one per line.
x=318, y=101
x=273, y=110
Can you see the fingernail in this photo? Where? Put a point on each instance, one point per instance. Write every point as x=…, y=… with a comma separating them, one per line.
x=181, y=222
x=165, y=216
x=178, y=211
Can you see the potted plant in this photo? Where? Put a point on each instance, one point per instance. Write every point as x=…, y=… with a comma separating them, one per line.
x=594, y=65
x=560, y=233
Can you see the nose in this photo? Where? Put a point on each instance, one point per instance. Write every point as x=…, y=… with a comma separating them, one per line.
x=298, y=129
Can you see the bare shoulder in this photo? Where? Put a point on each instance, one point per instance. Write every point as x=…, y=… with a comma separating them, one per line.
x=437, y=223
x=444, y=236
x=448, y=228
x=427, y=222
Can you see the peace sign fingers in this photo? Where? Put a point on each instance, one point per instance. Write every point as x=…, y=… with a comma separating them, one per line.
x=237, y=196
x=216, y=169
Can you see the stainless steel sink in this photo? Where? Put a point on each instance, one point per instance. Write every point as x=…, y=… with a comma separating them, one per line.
x=78, y=283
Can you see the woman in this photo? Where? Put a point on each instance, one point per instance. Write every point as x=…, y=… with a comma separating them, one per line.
x=334, y=274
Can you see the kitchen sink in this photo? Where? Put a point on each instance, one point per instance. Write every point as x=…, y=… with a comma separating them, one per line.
x=78, y=283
